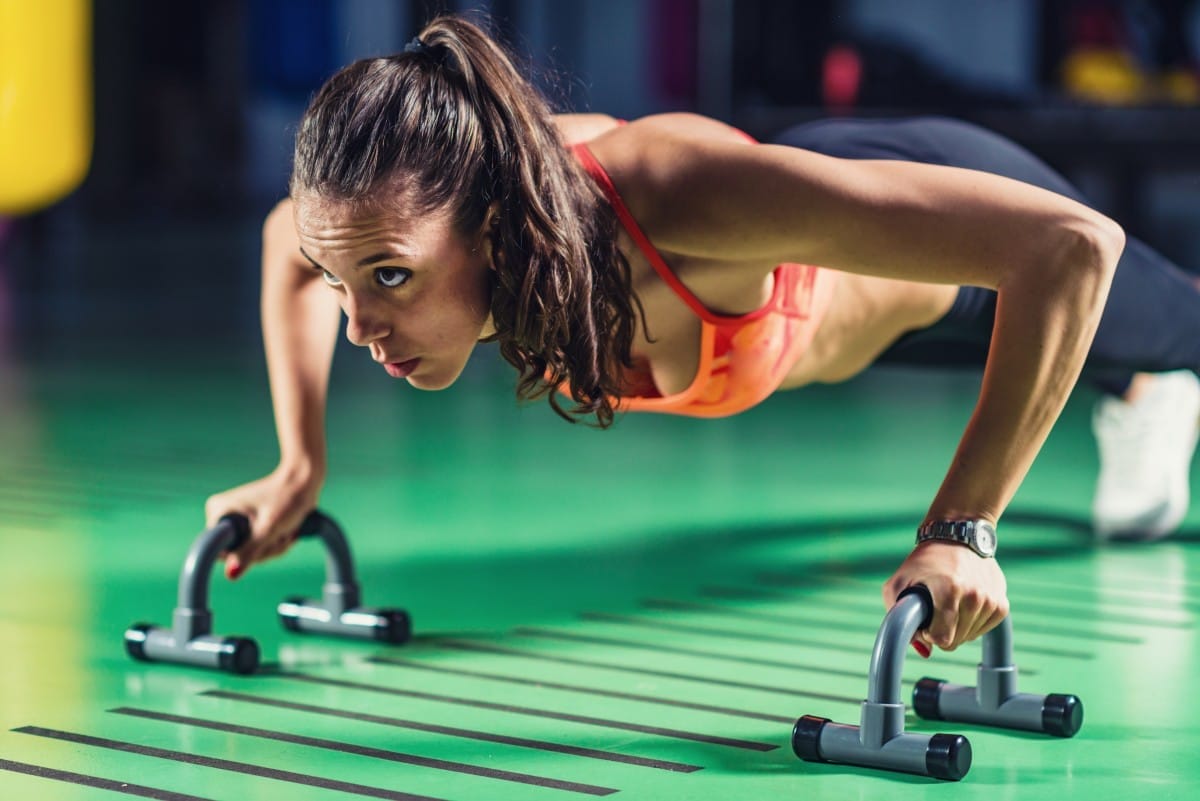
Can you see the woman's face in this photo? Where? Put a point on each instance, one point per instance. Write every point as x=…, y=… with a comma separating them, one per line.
x=416, y=294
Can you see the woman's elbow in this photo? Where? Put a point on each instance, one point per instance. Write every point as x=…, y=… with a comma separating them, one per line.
x=1089, y=250
x=1109, y=239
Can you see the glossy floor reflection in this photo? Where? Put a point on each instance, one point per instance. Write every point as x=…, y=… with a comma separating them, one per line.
x=643, y=611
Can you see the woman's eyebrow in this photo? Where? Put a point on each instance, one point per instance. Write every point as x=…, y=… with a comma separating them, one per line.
x=311, y=260
x=367, y=262
x=387, y=256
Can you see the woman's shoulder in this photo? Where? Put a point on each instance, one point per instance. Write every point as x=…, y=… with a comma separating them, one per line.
x=651, y=146
x=675, y=127
x=645, y=157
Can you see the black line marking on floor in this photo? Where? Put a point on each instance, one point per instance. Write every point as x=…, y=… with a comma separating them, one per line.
x=367, y=751
x=758, y=594
x=468, y=645
x=1021, y=609
x=686, y=629
x=704, y=631
x=586, y=720
x=660, y=604
x=392, y=661
x=865, y=653
x=224, y=764
x=671, y=605
x=469, y=734
x=96, y=782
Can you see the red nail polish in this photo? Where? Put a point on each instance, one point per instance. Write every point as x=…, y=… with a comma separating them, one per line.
x=233, y=570
x=921, y=648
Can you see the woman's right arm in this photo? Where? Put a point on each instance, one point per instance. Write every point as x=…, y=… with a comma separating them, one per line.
x=300, y=320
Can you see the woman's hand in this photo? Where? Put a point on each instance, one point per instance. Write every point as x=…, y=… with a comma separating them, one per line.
x=969, y=592
x=275, y=505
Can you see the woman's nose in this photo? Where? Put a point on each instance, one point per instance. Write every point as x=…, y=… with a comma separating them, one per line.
x=363, y=324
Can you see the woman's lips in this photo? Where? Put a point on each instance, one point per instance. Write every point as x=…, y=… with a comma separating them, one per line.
x=401, y=369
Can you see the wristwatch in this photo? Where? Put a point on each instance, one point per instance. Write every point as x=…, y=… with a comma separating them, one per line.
x=978, y=535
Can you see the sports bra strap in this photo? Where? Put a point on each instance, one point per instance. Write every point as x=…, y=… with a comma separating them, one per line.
x=596, y=170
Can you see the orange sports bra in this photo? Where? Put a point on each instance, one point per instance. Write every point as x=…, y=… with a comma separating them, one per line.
x=743, y=359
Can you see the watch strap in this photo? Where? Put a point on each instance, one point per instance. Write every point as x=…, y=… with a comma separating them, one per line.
x=977, y=534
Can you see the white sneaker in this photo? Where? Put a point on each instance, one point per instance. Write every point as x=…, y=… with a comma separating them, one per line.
x=1146, y=452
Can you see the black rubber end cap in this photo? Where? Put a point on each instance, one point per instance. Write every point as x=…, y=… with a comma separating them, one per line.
x=926, y=694
x=239, y=655
x=948, y=756
x=922, y=591
x=291, y=622
x=135, y=641
x=1062, y=715
x=806, y=735
x=240, y=525
x=396, y=626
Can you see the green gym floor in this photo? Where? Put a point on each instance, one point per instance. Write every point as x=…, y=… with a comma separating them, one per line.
x=641, y=612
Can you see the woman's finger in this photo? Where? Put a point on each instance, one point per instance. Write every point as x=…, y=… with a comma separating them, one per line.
x=989, y=611
x=944, y=625
x=252, y=550
x=972, y=614
x=994, y=619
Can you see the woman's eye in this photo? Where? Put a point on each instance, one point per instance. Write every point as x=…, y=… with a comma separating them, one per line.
x=391, y=276
x=330, y=278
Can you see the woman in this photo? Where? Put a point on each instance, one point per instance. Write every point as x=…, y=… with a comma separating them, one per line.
x=435, y=202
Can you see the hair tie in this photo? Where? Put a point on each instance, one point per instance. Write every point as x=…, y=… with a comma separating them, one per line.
x=437, y=56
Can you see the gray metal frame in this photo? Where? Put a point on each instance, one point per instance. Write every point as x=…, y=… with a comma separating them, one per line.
x=190, y=640
x=879, y=741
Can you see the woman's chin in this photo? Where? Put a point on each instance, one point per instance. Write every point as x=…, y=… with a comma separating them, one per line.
x=431, y=383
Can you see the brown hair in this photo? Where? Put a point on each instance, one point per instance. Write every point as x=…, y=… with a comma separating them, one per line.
x=451, y=124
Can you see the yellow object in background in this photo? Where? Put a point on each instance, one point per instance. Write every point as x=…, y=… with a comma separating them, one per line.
x=1112, y=77
x=1103, y=75
x=45, y=101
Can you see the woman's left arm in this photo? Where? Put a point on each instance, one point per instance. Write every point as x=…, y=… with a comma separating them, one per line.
x=1050, y=259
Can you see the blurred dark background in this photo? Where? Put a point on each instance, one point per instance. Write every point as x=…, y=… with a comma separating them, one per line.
x=195, y=103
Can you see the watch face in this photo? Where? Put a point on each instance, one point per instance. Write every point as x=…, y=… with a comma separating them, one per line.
x=985, y=539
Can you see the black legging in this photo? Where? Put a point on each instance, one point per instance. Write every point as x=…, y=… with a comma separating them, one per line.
x=1151, y=322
